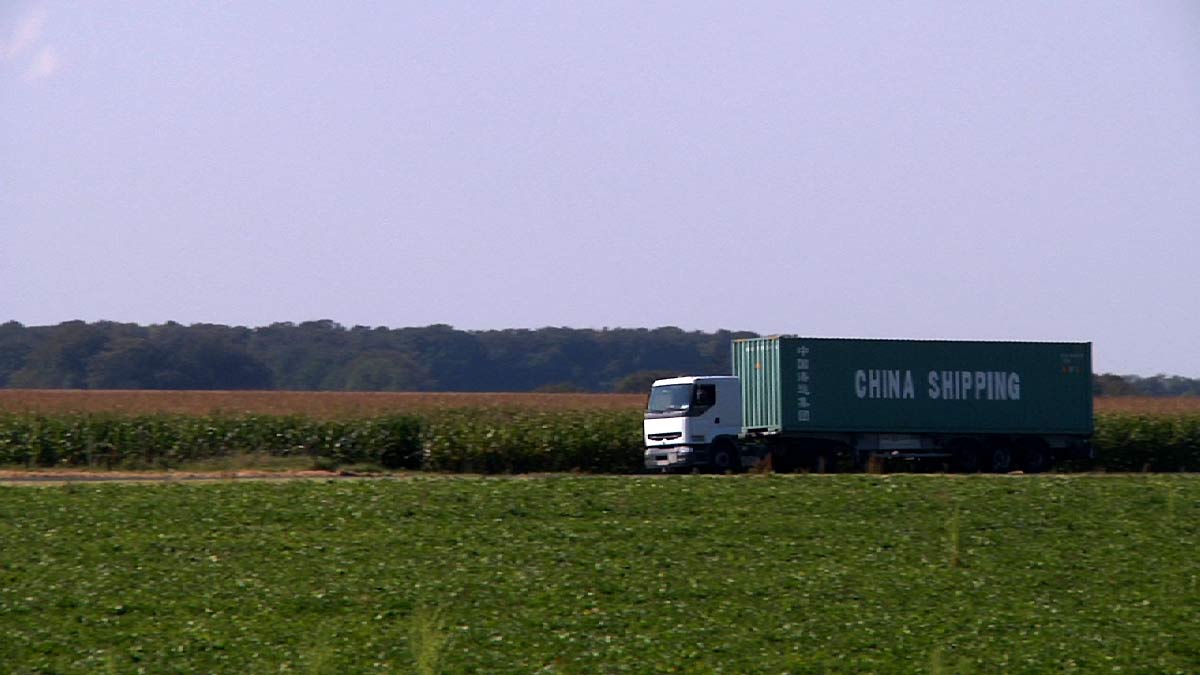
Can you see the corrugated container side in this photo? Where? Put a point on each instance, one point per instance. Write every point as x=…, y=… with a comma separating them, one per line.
x=757, y=362
x=796, y=384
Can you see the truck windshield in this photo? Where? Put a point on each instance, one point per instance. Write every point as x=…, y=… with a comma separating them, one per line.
x=669, y=398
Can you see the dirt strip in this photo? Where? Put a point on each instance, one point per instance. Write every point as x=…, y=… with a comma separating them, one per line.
x=11, y=477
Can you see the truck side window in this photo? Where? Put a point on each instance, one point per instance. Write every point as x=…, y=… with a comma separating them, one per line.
x=706, y=394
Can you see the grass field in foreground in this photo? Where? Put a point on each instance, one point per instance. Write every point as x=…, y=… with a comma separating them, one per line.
x=862, y=573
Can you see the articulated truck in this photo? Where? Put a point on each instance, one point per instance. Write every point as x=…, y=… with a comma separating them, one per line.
x=816, y=404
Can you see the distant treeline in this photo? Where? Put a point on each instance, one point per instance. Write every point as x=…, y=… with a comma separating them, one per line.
x=324, y=355
x=1134, y=385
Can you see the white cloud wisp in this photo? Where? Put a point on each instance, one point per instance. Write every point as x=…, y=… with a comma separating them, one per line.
x=25, y=34
x=27, y=51
x=45, y=64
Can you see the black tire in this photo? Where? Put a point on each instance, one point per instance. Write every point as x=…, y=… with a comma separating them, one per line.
x=783, y=458
x=966, y=459
x=1035, y=459
x=825, y=462
x=725, y=458
x=1001, y=459
x=781, y=461
x=860, y=460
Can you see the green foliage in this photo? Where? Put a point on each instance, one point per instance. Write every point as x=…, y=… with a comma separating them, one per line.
x=472, y=440
x=742, y=574
x=429, y=638
x=167, y=441
x=487, y=440
x=1107, y=384
x=639, y=382
x=323, y=355
x=499, y=440
x=1131, y=442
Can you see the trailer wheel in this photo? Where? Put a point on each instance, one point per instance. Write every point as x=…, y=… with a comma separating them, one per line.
x=1036, y=459
x=966, y=459
x=1000, y=459
x=782, y=460
x=725, y=457
x=825, y=461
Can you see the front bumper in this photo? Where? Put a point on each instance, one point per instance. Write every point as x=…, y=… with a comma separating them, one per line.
x=665, y=458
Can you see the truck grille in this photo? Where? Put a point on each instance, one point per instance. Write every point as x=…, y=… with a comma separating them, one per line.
x=670, y=436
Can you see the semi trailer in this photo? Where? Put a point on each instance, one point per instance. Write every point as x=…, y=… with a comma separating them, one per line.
x=817, y=404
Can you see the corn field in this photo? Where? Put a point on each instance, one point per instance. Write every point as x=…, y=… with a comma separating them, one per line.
x=478, y=433
x=481, y=440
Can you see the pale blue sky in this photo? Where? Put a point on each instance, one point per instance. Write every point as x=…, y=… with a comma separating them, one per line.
x=1007, y=170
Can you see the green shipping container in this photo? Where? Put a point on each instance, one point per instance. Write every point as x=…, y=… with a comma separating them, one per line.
x=799, y=384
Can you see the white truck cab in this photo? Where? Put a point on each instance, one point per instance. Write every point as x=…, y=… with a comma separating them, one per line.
x=693, y=421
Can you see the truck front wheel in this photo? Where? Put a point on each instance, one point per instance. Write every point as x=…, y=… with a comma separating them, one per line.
x=725, y=457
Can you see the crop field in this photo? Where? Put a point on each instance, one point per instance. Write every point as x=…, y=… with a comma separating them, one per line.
x=1148, y=405
x=320, y=404
x=474, y=433
x=729, y=574
x=326, y=404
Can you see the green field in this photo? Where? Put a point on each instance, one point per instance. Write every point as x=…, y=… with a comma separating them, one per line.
x=734, y=574
x=480, y=439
